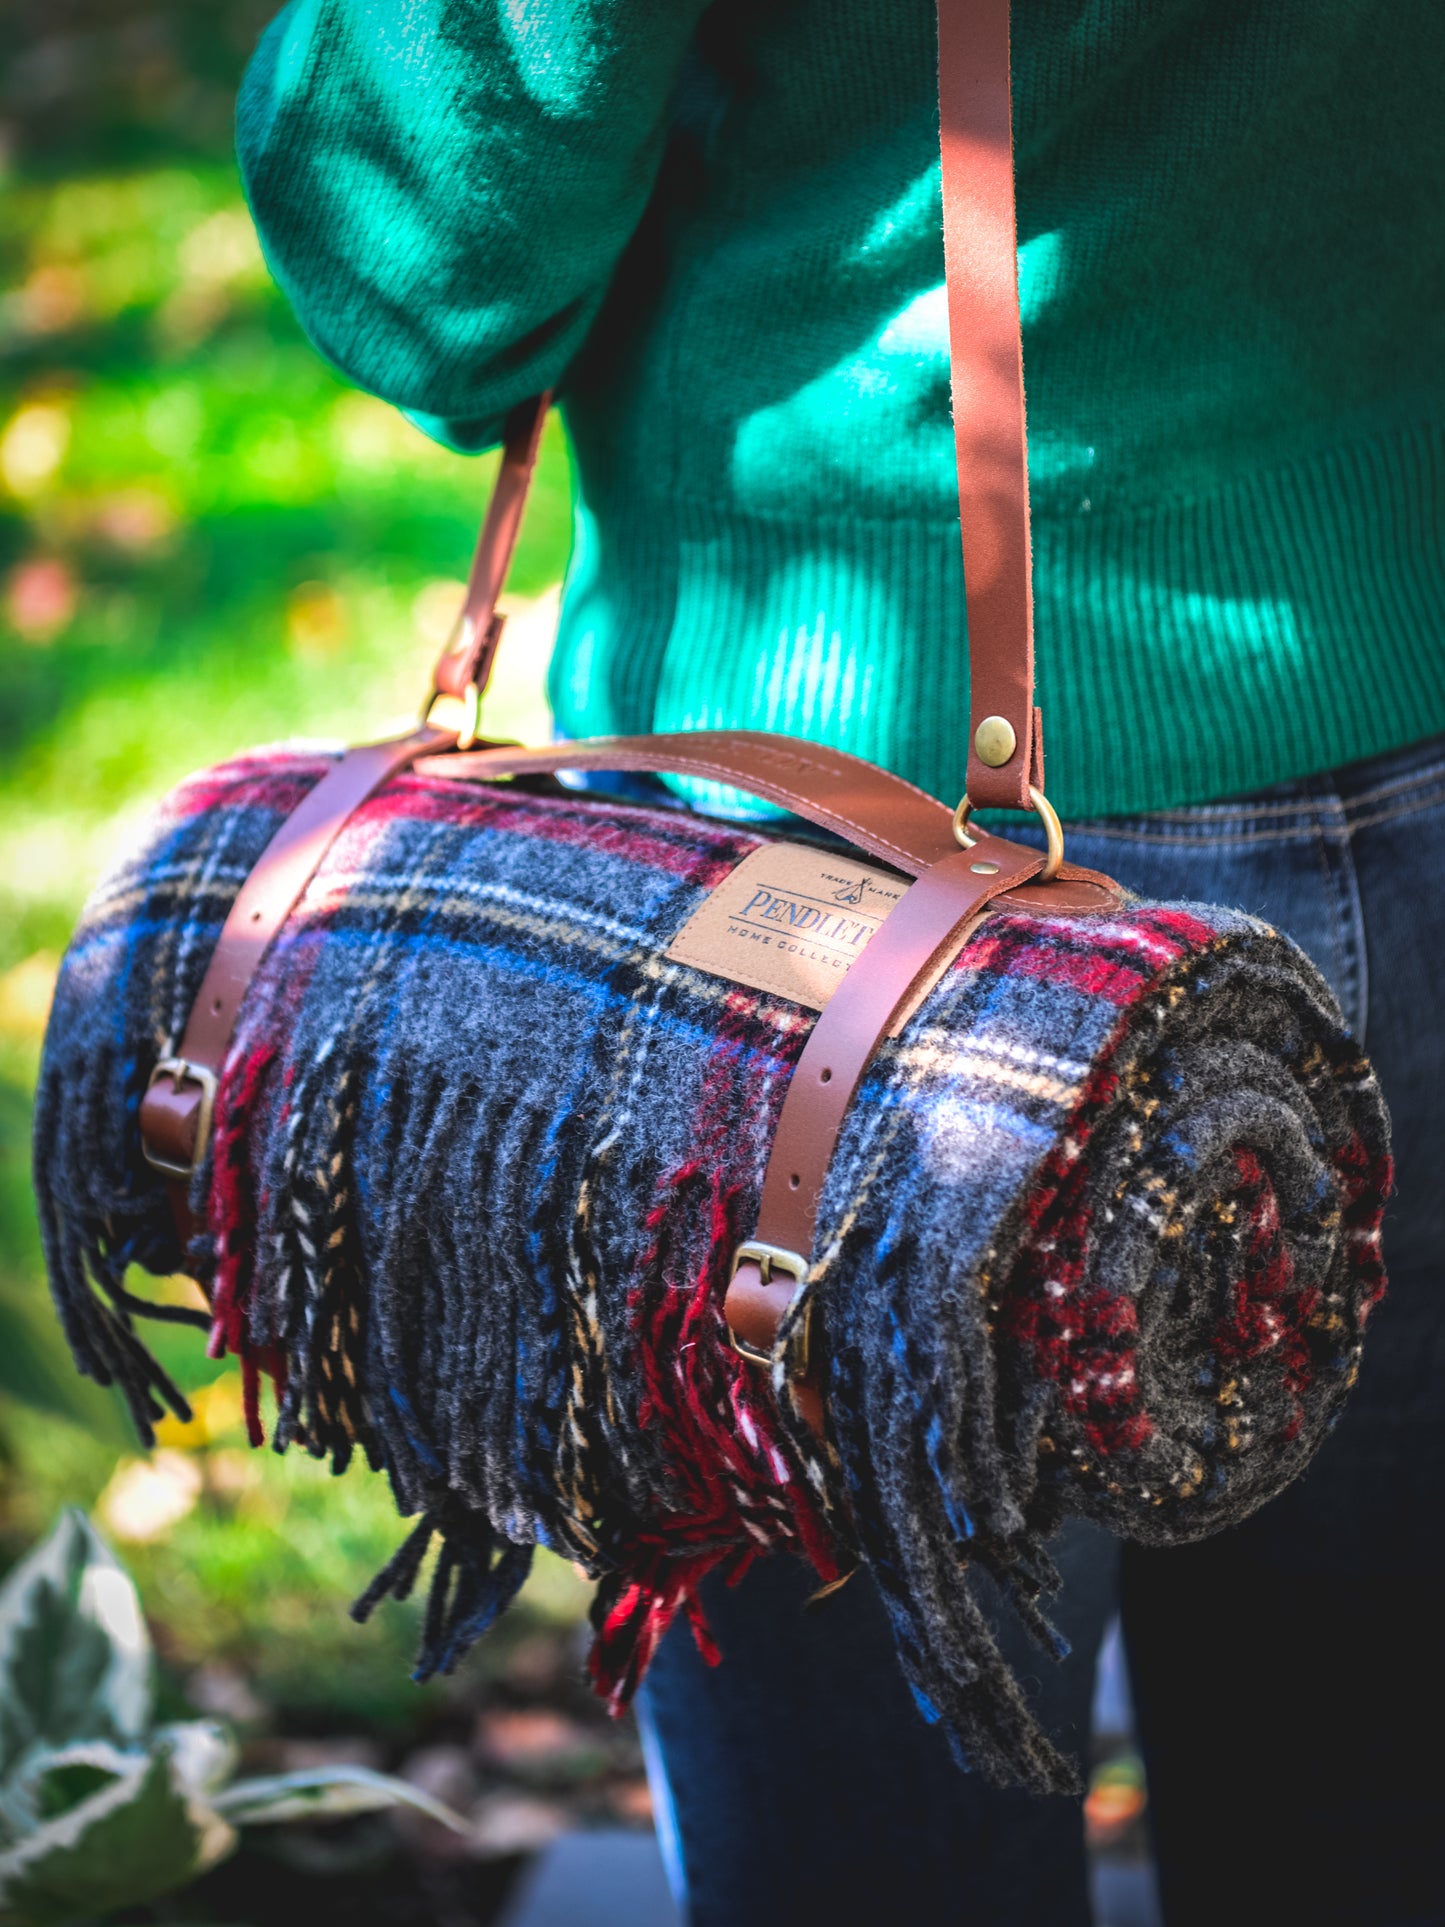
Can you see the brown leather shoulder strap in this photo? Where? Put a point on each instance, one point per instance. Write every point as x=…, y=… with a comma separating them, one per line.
x=466, y=662
x=986, y=359
x=1005, y=755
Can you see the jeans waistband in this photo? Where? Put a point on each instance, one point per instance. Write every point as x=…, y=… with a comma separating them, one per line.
x=1331, y=803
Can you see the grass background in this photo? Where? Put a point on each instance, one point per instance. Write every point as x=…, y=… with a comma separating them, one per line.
x=207, y=539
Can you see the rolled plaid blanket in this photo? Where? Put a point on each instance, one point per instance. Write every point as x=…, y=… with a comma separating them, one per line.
x=1100, y=1236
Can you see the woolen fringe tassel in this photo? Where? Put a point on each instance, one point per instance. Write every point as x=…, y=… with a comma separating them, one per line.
x=1100, y=1236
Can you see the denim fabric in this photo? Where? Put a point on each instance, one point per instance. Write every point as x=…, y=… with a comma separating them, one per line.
x=1289, y=1674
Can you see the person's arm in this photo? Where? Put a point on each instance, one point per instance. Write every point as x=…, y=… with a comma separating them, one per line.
x=444, y=187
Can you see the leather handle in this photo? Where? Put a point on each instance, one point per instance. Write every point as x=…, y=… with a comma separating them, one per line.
x=867, y=806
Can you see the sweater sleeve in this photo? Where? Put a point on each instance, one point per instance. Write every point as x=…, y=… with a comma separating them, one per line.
x=444, y=187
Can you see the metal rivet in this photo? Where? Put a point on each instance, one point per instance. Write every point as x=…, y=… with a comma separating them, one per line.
x=995, y=741
x=984, y=869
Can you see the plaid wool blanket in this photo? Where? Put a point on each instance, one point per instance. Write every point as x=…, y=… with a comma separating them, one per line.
x=1100, y=1236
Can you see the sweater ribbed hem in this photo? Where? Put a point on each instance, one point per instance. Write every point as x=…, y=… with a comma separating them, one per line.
x=1290, y=623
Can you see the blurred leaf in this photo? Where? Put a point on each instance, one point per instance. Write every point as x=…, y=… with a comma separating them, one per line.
x=75, y=1657
x=52, y=1781
x=327, y=1792
x=204, y=1755
x=139, y=1835
x=67, y=1778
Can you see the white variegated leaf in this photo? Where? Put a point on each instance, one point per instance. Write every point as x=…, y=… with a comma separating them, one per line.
x=75, y=1657
x=204, y=1755
x=326, y=1792
x=138, y=1835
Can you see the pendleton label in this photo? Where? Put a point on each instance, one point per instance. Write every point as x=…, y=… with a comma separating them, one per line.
x=788, y=919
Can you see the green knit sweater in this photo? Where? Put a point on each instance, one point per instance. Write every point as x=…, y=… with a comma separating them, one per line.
x=717, y=230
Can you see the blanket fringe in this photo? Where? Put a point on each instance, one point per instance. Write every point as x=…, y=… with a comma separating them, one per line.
x=478, y=1574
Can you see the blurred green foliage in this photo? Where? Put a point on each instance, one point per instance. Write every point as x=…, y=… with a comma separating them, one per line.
x=207, y=539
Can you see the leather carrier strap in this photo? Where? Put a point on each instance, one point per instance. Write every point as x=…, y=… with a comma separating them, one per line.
x=925, y=930
x=876, y=811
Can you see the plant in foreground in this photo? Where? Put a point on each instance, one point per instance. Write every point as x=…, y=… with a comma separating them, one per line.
x=100, y=1807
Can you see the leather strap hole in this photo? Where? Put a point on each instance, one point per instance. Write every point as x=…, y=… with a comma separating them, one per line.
x=215, y=1006
x=794, y=1181
x=825, y=1077
x=255, y=916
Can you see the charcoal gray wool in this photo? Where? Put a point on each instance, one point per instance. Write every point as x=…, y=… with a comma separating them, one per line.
x=1099, y=1238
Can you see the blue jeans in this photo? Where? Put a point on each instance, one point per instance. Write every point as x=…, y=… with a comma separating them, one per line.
x=1289, y=1675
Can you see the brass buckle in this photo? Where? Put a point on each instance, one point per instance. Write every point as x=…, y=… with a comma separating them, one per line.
x=768, y=1259
x=181, y=1071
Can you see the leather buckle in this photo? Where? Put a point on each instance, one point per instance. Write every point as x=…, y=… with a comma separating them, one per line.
x=768, y=1259
x=181, y=1071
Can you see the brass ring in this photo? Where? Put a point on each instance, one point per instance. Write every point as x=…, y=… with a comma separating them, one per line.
x=472, y=716
x=1047, y=815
